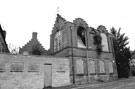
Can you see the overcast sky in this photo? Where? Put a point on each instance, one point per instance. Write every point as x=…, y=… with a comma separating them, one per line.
x=22, y=17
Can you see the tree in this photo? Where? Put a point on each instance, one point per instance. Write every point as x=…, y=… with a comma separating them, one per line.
x=36, y=50
x=97, y=40
x=122, y=52
x=13, y=49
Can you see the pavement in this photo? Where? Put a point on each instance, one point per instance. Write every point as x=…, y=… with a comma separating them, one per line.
x=92, y=85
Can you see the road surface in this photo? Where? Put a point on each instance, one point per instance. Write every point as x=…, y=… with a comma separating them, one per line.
x=120, y=84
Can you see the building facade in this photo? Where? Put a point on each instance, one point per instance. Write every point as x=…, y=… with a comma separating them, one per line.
x=89, y=50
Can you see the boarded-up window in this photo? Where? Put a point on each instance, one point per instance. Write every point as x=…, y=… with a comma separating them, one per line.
x=17, y=67
x=33, y=68
x=101, y=67
x=91, y=66
x=110, y=67
x=79, y=66
x=61, y=68
x=104, y=42
x=2, y=67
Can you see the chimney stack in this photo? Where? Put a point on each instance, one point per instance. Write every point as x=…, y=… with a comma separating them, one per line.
x=34, y=35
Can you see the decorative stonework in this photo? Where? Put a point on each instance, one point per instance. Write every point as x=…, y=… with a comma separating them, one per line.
x=80, y=22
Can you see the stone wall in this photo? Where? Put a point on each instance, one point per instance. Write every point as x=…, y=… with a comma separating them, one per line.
x=28, y=79
x=107, y=57
x=101, y=73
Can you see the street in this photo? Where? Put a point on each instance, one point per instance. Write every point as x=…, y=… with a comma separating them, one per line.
x=120, y=84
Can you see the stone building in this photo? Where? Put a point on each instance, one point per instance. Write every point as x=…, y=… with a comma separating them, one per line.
x=33, y=47
x=90, y=51
x=3, y=44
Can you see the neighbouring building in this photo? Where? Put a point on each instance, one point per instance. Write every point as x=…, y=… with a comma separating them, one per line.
x=33, y=47
x=90, y=51
x=3, y=44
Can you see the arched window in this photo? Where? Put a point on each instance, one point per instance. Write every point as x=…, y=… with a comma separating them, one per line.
x=81, y=37
x=91, y=66
x=79, y=66
x=110, y=67
x=101, y=67
x=104, y=42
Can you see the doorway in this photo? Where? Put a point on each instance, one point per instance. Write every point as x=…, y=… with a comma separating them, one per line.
x=47, y=75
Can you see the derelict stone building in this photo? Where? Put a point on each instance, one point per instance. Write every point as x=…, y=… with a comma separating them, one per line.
x=89, y=50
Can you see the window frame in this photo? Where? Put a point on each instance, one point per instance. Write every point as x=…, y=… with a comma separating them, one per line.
x=91, y=60
x=2, y=69
x=110, y=62
x=106, y=49
x=78, y=69
x=58, y=41
x=33, y=64
x=13, y=63
x=103, y=70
